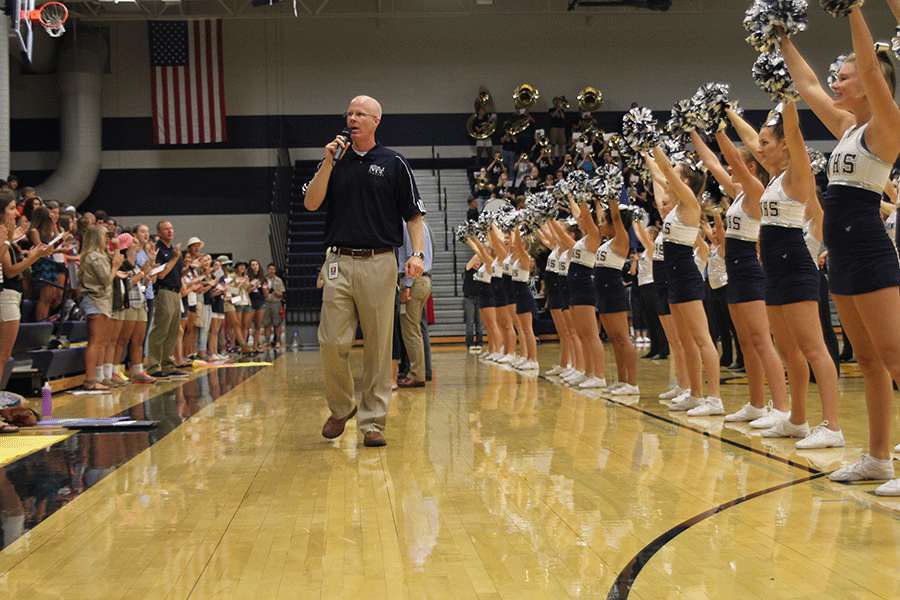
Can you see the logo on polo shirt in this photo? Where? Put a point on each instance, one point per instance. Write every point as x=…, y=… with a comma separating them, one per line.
x=376, y=170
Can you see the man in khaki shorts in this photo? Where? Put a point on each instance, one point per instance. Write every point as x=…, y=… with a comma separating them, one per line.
x=366, y=192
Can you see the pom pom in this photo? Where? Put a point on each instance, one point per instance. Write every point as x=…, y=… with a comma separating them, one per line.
x=839, y=8
x=835, y=68
x=608, y=183
x=764, y=17
x=712, y=100
x=684, y=119
x=462, y=233
x=895, y=42
x=539, y=208
x=817, y=160
x=771, y=75
x=639, y=129
x=639, y=215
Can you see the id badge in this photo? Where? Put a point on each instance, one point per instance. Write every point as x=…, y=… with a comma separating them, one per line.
x=333, y=270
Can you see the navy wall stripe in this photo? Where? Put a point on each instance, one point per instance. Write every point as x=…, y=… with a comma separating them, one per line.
x=313, y=131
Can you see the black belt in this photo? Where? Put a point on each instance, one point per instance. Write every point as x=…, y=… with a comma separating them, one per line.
x=360, y=252
x=168, y=288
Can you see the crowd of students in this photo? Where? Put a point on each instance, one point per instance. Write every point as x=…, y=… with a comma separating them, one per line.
x=112, y=276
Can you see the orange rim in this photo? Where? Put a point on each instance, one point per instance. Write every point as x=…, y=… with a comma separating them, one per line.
x=52, y=14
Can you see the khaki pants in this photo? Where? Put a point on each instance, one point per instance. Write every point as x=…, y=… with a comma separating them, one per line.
x=362, y=292
x=410, y=328
x=164, y=331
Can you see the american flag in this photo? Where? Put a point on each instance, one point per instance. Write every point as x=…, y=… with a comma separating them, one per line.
x=186, y=81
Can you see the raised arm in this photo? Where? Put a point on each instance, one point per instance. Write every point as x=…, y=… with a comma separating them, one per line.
x=497, y=242
x=619, y=244
x=679, y=191
x=748, y=135
x=479, y=249
x=519, y=250
x=752, y=186
x=836, y=120
x=799, y=182
x=590, y=229
x=565, y=239
x=882, y=135
x=714, y=166
x=644, y=239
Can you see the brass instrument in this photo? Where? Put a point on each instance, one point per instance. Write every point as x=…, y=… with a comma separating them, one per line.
x=543, y=141
x=526, y=97
x=563, y=103
x=482, y=101
x=589, y=100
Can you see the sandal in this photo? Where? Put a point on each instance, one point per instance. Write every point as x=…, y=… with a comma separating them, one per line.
x=7, y=428
x=94, y=386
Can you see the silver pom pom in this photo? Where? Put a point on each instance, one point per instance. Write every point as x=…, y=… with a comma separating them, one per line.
x=765, y=16
x=772, y=76
x=639, y=215
x=817, y=160
x=639, y=129
x=835, y=68
x=712, y=100
x=462, y=233
x=684, y=119
x=608, y=183
x=839, y=8
x=895, y=42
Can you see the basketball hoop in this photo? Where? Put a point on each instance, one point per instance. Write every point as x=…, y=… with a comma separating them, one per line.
x=51, y=16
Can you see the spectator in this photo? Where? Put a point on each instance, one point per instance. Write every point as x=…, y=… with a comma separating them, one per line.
x=273, y=289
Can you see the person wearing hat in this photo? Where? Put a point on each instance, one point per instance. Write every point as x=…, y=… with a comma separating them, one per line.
x=166, y=306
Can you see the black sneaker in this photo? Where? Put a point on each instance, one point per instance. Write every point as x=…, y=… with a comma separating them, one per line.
x=160, y=375
x=178, y=375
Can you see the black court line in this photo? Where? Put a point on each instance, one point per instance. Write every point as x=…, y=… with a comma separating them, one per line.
x=622, y=586
x=53, y=476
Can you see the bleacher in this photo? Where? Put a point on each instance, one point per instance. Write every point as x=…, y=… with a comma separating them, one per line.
x=39, y=355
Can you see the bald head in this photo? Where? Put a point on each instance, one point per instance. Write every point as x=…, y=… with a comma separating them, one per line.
x=368, y=105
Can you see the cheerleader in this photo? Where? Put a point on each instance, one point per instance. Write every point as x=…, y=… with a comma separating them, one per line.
x=583, y=297
x=747, y=282
x=521, y=273
x=612, y=299
x=862, y=265
x=682, y=185
x=554, y=301
x=812, y=237
x=577, y=351
x=792, y=279
x=504, y=299
x=486, y=302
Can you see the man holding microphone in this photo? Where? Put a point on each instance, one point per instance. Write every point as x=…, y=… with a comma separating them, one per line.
x=367, y=190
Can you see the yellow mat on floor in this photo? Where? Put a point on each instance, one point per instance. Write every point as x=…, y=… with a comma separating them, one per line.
x=237, y=364
x=16, y=445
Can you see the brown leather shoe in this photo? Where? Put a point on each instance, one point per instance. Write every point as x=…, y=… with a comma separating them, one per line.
x=406, y=382
x=374, y=438
x=335, y=427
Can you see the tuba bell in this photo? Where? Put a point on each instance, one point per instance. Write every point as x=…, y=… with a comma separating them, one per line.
x=589, y=100
x=526, y=97
x=483, y=101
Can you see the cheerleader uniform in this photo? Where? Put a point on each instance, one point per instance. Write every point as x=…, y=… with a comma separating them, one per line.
x=861, y=257
x=791, y=275
x=508, y=290
x=890, y=226
x=660, y=282
x=813, y=245
x=551, y=280
x=611, y=295
x=746, y=278
x=485, y=293
x=681, y=272
x=563, y=279
x=581, y=269
x=524, y=298
x=497, y=289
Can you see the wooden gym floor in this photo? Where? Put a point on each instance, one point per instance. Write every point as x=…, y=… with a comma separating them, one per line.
x=493, y=485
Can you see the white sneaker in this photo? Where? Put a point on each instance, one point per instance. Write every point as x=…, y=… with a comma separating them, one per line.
x=626, y=389
x=710, y=407
x=518, y=361
x=555, y=370
x=867, y=467
x=591, y=383
x=613, y=387
x=891, y=488
x=897, y=448
x=529, y=365
x=506, y=359
x=748, y=412
x=685, y=402
x=577, y=379
x=821, y=437
x=673, y=393
x=770, y=419
x=569, y=372
x=786, y=429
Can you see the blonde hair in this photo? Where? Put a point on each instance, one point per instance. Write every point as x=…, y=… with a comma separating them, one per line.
x=94, y=240
x=885, y=63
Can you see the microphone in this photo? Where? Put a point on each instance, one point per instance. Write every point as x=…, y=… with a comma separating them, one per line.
x=340, y=149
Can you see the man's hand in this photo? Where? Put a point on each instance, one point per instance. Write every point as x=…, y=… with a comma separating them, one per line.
x=404, y=295
x=415, y=266
x=176, y=251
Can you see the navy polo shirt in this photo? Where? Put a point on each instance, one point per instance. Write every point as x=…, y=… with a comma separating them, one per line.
x=164, y=254
x=367, y=197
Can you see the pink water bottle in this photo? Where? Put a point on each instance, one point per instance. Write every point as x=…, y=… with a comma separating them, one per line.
x=46, y=401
